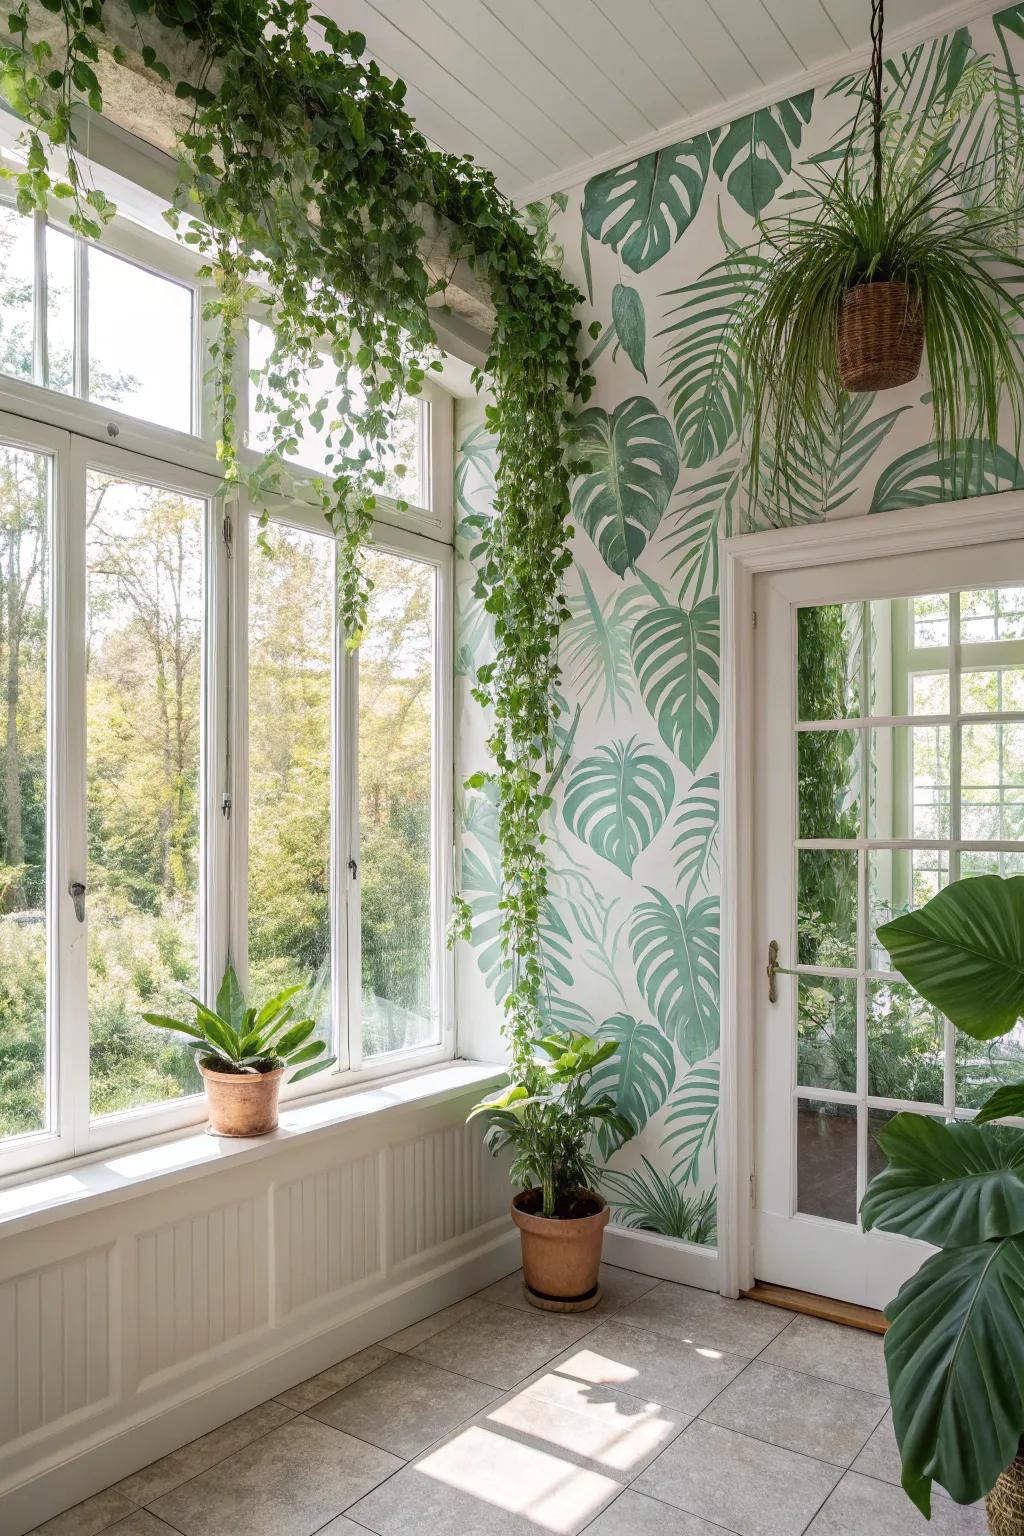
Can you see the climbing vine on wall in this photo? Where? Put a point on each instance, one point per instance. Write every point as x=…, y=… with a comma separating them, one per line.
x=306, y=184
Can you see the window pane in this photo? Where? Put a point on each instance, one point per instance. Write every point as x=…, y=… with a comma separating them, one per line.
x=992, y=782
x=60, y=311
x=931, y=620
x=826, y=1174
x=996, y=613
x=396, y=717
x=24, y=586
x=291, y=626
x=140, y=341
x=17, y=263
x=144, y=556
x=929, y=693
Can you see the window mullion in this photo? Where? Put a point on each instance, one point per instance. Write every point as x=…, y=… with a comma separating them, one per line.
x=955, y=661
x=39, y=299
x=346, y=968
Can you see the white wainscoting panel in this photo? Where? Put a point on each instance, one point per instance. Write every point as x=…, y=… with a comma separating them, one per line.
x=147, y=1314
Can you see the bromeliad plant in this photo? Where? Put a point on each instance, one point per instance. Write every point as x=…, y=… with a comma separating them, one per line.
x=239, y=1039
x=955, y=1346
x=548, y=1118
x=894, y=244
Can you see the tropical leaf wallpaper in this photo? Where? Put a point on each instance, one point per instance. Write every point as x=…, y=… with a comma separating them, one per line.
x=661, y=247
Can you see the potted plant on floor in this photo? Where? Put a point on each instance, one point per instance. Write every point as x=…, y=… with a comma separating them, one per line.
x=548, y=1117
x=243, y=1053
x=899, y=250
x=954, y=1350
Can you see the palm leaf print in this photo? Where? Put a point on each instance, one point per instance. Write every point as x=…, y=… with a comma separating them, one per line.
x=692, y=1122
x=675, y=658
x=639, y=1077
x=675, y=953
x=594, y=645
x=696, y=845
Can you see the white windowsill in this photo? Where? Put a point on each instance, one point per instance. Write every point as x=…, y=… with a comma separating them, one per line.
x=133, y=1170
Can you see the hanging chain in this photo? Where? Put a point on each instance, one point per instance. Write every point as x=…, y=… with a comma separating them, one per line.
x=877, y=21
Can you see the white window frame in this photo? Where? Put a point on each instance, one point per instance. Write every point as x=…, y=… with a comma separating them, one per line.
x=76, y=432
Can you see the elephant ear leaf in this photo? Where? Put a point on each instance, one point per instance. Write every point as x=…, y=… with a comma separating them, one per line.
x=952, y=1185
x=964, y=953
x=1008, y=1100
x=954, y=1352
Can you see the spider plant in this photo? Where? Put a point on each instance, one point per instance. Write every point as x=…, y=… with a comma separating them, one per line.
x=917, y=223
x=654, y=1204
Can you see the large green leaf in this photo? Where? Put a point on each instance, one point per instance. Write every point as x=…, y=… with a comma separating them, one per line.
x=954, y=1353
x=696, y=844
x=675, y=658
x=692, y=1123
x=639, y=1077
x=921, y=477
x=755, y=153
x=964, y=952
x=617, y=799
x=1008, y=1100
x=675, y=952
x=633, y=469
x=951, y=1185
x=594, y=644
x=643, y=208
x=630, y=325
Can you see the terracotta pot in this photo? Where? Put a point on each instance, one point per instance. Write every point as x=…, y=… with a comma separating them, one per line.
x=561, y=1257
x=1005, y=1504
x=880, y=337
x=242, y=1103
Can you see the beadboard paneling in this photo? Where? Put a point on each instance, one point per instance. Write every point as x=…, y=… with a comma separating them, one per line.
x=444, y=1184
x=327, y=1228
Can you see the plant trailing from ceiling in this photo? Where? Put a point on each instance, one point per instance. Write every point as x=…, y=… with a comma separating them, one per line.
x=305, y=183
x=895, y=248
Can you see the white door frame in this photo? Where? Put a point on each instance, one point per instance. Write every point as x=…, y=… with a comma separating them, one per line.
x=946, y=525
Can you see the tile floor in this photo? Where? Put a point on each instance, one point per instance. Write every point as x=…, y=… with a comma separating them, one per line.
x=664, y=1412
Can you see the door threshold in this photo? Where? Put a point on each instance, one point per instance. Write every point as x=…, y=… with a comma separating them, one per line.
x=848, y=1313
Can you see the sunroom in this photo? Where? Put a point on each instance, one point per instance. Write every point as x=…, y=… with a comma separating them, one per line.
x=512, y=767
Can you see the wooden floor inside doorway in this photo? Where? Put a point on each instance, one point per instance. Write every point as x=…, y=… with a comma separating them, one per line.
x=845, y=1312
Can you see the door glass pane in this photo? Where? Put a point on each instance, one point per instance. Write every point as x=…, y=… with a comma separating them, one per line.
x=983, y=1065
x=826, y=1159
x=828, y=771
x=291, y=634
x=992, y=782
x=829, y=661
x=24, y=601
x=930, y=626
x=906, y=1044
x=396, y=723
x=827, y=1033
x=900, y=880
x=17, y=264
x=987, y=690
x=996, y=613
x=827, y=907
x=908, y=781
x=144, y=572
x=140, y=341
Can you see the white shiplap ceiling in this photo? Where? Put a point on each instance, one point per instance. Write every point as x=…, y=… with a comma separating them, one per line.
x=544, y=92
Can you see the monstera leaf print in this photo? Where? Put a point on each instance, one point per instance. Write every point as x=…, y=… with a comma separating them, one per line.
x=691, y=1124
x=675, y=658
x=756, y=152
x=630, y=324
x=617, y=800
x=633, y=469
x=639, y=1077
x=696, y=844
x=921, y=477
x=642, y=208
x=702, y=361
x=675, y=954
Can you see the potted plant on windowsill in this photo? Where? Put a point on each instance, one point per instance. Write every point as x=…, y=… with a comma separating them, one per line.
x=243, y=1053
x=548, y=1117
x=954, y=1350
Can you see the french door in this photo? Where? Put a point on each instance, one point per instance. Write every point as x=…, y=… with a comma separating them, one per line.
x=889, y=760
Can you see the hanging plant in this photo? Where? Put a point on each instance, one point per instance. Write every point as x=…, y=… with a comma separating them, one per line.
x=304, y=183
x=883, y=261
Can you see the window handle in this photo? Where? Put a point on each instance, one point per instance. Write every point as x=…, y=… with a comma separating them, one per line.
x=353, y=868
x=76, y=890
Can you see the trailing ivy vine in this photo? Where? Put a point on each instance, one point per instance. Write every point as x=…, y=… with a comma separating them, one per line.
x=305, y=185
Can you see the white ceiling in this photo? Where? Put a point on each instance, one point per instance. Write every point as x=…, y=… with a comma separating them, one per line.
x=543, y=92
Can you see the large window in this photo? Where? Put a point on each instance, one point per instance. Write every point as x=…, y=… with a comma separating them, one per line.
x=193, y=766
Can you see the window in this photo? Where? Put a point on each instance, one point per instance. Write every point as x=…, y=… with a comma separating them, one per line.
x=193, y=766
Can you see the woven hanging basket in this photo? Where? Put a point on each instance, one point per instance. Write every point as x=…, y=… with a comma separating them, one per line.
x=1005, y=1504
x=880, y=337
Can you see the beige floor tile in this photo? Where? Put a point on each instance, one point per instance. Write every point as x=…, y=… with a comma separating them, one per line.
x=163, y=1475
x=405, y=1405
x=647, y=1365
x=342, y=1526
x=481, y=1483
x=803, y=1413
x=618, y=1288
x=316, y=1388
x=705, y=1319
x=88, y=1518
x=746, y=1485
x=595, y=1426
x=847, y=1355
x=290, y=1483
x=634, y=1514
x=409, y=1337
x=501, y=1345
x=881, y=1456
x=863, y=1504
x=141, y=1523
